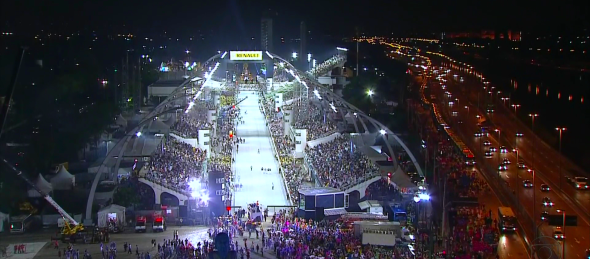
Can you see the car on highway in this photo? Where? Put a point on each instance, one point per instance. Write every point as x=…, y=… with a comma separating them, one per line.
x=527, y=184
x=505, y=161
x=518, y=134
x=547, y=202
x=581, y=183
x=478, y=134
x=545, y=188
x=503, y=149
x=489, y=154
x=558, y=234
x=544, y=215
x=521, y=165
x=492, y=149
x=487, y=143
x=502, y=168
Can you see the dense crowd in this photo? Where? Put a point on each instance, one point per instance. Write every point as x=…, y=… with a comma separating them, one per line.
x=176, y=164
x=196, y=118
x=223, y=147
x=313, y=119
x=289, y=237
x=326, y=65
x=293, y=172
x=472, y=223
x=336, y=165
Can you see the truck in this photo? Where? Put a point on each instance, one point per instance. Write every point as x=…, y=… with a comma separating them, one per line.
x=159, y=224
x=140, y=223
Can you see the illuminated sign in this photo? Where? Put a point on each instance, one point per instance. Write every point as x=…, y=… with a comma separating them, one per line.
x=245, y=55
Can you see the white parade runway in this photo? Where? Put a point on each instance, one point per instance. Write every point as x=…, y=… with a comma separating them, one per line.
x=256, y=184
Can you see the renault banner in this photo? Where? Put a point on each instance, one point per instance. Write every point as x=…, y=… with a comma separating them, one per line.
x=245, y=55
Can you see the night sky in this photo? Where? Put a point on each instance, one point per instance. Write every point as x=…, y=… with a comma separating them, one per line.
x=334, y=17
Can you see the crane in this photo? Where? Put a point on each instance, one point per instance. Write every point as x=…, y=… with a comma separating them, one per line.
x=71, y=226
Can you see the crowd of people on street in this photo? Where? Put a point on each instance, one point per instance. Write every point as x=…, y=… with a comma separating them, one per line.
x=326, y=66
x=468, y=228
x=339, y=164
x=175, y=165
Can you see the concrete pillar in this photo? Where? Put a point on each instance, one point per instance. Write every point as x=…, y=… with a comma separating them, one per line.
x=287, y=120
x=158, y=195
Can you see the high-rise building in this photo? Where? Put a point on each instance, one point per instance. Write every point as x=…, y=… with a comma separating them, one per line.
x=302, y=44
x=266, y=34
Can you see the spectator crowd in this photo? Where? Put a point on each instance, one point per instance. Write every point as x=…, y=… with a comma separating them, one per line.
x=175, y=165
x=293, y=173
x=312, y=118
x=337, y=165
x=326, y=66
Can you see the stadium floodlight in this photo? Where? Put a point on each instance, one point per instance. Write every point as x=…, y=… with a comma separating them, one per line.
x=313, y=63
x=309, y=57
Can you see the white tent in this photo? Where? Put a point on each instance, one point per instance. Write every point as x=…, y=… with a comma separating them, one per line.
x=3, y=217
x=112, y=212
x=119, y=120
x=43, y=184
x=63, y=180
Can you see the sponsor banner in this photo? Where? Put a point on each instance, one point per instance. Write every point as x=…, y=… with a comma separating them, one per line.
x=245, y=55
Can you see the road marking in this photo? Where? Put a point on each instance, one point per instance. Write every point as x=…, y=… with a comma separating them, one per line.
x=577, y=241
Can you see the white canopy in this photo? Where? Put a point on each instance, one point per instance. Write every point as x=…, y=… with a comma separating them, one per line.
x=114, y=210
x=43, y=185
x=119, y=120
x=3, y=217
x=63, y=180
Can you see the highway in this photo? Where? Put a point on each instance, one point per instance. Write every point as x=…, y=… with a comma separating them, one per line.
x=547, y=161
x=466, y=125
x=510, y=246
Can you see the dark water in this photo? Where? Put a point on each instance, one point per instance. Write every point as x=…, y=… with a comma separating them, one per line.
x=560, y=97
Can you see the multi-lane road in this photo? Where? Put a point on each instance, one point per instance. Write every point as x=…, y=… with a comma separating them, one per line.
x=546, y=162
x=510, y=246
x=464, y=94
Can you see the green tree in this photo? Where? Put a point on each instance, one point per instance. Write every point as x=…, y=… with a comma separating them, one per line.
x=126, y=196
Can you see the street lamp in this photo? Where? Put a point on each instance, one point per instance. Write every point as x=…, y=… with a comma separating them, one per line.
x=370, y=93
x=515, y=106
x=499, y=151
x=467, y=107
x=561, y=130
x=294, y=55
x=533, y=116
x=562, y=232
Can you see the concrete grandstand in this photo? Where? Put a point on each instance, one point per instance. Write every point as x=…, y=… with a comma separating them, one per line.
x=285, y=121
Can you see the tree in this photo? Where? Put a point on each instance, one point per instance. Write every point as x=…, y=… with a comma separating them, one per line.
x=126, y=196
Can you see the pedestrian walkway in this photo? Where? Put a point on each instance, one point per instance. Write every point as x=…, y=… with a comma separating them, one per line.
x=257, y=170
